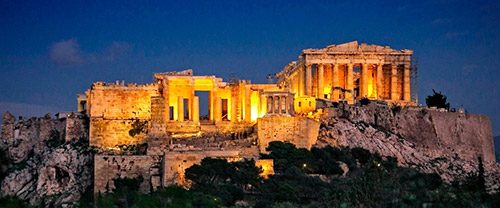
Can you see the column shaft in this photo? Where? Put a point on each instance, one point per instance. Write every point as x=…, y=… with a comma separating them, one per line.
x=218, y=109
x=406, y=81
x=335, y=84
x=380, y=84
x=350, y=84
x=394, y=82
x=196, y=109
x=180, y=108
x=321, y=80
x=287, y=104
x=363, y=81
x=308, y=80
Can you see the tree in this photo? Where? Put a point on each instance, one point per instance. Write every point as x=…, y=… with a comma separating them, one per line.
x=437, y=100
x=223, y=180
x=5, y=164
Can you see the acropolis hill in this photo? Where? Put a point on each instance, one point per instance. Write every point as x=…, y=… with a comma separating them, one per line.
x=318, y=100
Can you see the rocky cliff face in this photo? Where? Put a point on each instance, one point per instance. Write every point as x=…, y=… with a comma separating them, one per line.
x=47, y=168
x=440, y=142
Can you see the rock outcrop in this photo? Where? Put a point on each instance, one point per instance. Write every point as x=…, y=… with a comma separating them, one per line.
x=46, y=168
x=445, y=143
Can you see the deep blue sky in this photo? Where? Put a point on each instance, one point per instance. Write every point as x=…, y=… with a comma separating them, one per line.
x=50, y=51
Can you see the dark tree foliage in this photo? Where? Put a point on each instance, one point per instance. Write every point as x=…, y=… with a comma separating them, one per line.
x=223, y=180
x=286, y=156
x=437, y=100
x=5, y=164
x=13, y=202
x=369, y=181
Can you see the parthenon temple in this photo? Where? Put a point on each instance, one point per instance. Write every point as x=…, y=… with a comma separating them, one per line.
x=349, y=72
x=171, y=104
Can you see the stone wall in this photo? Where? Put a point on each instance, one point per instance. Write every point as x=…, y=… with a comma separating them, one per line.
x=109, y=167
x=176, y=163
x=301, y=131
x=112, y=101
x=114, y=107
x=76, y=127
x=110, y=133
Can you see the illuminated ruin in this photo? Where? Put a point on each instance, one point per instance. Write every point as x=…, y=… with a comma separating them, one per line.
x=171, y=107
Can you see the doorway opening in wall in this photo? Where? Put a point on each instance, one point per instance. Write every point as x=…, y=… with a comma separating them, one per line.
x=186, y=109
x=225, y=116
x=203, y=106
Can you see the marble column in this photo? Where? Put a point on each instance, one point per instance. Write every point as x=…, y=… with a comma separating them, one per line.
x=180, y=108
x=196, y=109
x=308, y=85
x=270, y=100
x=350, y=84
x=248, y=104
x=363, y=81
x=218, y=109
x=287, y=104
x=277, y=104
x=321, y=81
x=394, y=81
x=406, y=81
x=380, y=78
x=335, y=82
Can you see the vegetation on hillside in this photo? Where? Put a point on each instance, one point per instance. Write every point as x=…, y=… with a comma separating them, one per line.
x=321, y=177
x=437, y=99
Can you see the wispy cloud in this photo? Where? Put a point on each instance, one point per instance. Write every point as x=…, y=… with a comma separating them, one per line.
x=68, y=52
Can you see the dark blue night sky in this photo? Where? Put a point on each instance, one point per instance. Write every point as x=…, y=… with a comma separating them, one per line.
x=50, y=51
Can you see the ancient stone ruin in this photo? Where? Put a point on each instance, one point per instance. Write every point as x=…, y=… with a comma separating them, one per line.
x=157, y=130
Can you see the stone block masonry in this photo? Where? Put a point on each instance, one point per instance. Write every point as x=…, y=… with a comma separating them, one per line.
x=109, y=167
x=301, y=131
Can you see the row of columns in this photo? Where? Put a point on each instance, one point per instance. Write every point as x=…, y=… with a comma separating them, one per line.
x=194, y=112
x=279, y=104
x=363, y=86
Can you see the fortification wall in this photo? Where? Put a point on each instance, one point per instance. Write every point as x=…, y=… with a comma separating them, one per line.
x=300, y=131
x=109, y=167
